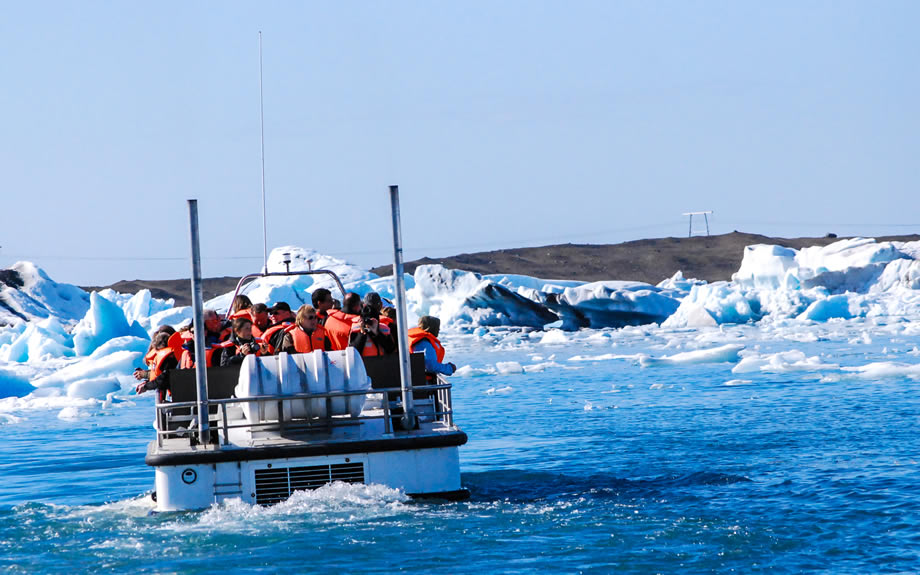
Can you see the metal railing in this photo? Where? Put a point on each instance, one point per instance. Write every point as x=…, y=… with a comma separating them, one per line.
x=439, y=393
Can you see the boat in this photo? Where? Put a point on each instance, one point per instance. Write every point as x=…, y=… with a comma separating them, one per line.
x=280, y=424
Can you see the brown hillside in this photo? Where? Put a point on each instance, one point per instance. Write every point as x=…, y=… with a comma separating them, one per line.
x=710, y=258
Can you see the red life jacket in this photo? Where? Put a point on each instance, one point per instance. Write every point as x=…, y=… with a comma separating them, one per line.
x=209, y=353
x=268, y=333
x=156, y=367
x=304, y=343
x=338, y=327
x=417, y=334
x=185, y=361
x=177, y=341
x=371, y=348
x=242, y=313
x=387, y=321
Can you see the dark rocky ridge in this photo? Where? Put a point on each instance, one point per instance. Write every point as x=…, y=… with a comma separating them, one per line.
x=711, y=258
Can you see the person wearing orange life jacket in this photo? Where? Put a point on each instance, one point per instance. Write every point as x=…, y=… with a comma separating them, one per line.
x=142, y=374
x=369, y=336
x=281, y=320
x=214, y=331
x=240, y=307
x=242, y=343
x=157, y=375
x=260, y=321
x=307, y=335
x=424, y=338
x=339, y=322
x=322, y=303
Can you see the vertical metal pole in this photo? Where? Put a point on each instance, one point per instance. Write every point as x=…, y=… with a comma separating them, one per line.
x=405, y=369
x=690, y=229
x=706, y=218
x=262, y=146
x=201, y=374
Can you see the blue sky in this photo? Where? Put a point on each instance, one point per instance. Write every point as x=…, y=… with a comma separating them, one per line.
x=506, y=124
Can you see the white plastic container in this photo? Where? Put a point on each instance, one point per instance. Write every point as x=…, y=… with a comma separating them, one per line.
x=287, y=374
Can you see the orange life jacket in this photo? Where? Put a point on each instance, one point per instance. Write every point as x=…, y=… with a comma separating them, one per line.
x=209, y=353
x=242, y=313
x=305, y=343
x=177, y=341
x=338, y=327
x=387, y=321
x=417, y=334
x=156, y=368
x=268, y=333
x=371, y=348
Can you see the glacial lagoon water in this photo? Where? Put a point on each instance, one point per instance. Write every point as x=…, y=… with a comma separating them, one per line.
x=808, y=459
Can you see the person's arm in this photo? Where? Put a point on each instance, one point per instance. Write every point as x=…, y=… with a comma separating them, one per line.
x=287, y=344
x=161, y=381
x=431, y=359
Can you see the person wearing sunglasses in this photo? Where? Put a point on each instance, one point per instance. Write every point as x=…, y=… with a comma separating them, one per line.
x=306, y=335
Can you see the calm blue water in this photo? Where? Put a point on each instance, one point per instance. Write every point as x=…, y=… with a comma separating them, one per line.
x=606, y=467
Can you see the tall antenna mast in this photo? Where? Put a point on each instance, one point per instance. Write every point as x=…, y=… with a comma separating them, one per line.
x=262, y=145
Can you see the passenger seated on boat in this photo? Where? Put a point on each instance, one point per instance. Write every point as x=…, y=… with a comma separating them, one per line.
x=157, y=376
x=338, y=322
x=424, y=338
x=240, y=307
x=281, y=320
x=241, y=343
x=388, y=318
x=141, y=374
x=307, y=335
x=214, y=332
x=370, y=337
x=259, y=316
x=322, y=303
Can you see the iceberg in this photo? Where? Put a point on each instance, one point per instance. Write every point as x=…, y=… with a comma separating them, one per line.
x=27, y=293
x=104, y=321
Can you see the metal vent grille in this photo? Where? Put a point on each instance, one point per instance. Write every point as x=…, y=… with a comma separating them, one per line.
x=274, y=485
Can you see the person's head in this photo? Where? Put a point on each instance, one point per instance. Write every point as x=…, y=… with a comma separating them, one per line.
x=389, y=312
x=372, y=299
x=241, y=302
x=280, y=312
x=259, y=313
x=322, y=299
x=211, y=321
x=430, y=324
x=167, y=329
x=336, y=304
x=242, y=328
x=352, y=303
x=161, y=341
x=306, y=317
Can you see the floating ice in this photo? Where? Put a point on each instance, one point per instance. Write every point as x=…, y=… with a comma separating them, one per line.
x=554, y=336
x=782, y=362
x=27, y=293
x=119, y=363
x=13, y=384
x=885, y=369
x=104, y=321
x=509, y=367
x=724, y=354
